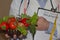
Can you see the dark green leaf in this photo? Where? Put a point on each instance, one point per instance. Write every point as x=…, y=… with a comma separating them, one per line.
x=32, y=29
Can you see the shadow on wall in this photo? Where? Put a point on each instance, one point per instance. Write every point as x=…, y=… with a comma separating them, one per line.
x=4, y=7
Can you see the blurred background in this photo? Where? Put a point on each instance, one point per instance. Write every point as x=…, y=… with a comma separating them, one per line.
x=4, y=11
x=4, y=7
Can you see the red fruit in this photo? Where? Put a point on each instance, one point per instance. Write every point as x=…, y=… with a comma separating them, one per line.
x=12, y=25
x=12, y=19
x=26, y=24
x=4, y=26
x=24, y=20
x=0, y=26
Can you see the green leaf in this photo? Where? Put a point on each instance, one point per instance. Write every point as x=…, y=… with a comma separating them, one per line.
x=34, y=18
x=32, y=29
x=4, y=27
x=5, y=18
x=1, y=20
x=22, y=30
x=25, y=16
